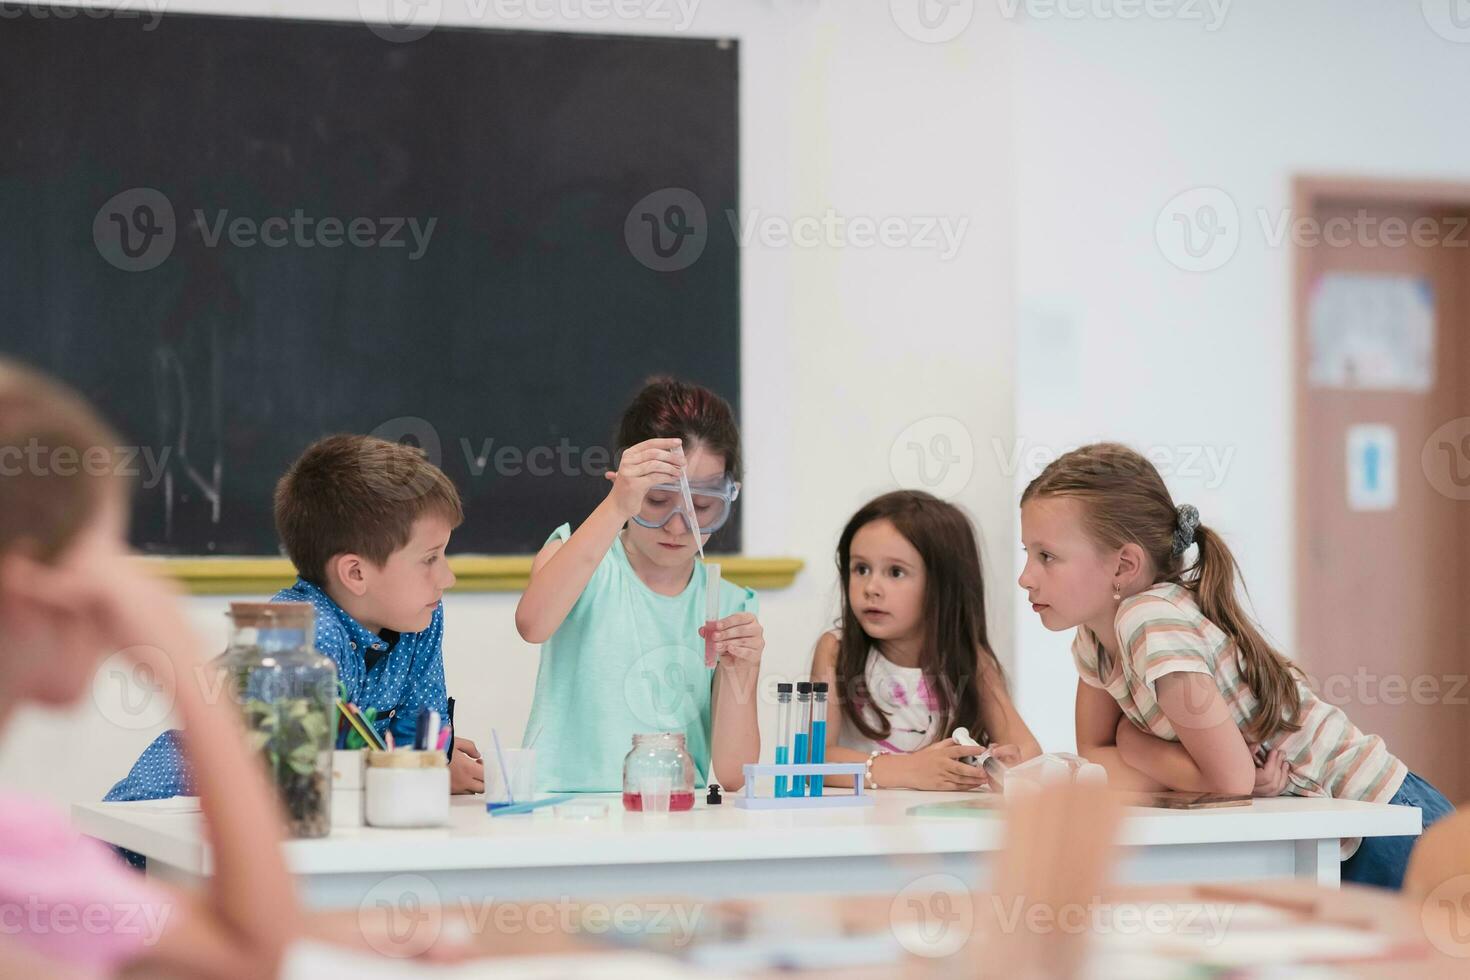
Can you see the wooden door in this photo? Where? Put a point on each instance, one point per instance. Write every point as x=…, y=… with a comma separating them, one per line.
x=1383, y=597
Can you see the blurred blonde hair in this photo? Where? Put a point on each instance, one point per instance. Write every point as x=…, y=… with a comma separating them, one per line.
x=57, y=461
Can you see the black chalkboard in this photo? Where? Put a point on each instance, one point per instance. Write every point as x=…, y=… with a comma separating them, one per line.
x=505, y=337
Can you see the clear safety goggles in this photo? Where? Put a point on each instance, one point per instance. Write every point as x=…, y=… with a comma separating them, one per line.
x=713, y=502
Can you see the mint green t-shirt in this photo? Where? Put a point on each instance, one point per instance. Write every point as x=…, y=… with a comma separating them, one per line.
x=625, y=661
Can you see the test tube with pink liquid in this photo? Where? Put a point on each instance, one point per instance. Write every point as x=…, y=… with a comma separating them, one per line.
x=711, y=611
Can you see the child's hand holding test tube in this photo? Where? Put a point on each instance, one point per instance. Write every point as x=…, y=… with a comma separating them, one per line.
x=738, y=638
x=994, y=760
x=710, y=630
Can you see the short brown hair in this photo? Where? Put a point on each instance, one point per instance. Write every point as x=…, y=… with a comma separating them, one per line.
x=352, y=494
x=666, y=408
x=57, y=460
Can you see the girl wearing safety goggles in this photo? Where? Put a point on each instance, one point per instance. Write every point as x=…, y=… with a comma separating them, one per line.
x=619, y=607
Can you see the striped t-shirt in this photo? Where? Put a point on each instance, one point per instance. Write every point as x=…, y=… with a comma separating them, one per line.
x=1162, y=631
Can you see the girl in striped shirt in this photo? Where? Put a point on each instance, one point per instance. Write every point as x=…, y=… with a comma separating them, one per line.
x=1178, y=687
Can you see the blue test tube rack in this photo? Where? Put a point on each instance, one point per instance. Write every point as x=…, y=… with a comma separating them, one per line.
x=749, y=801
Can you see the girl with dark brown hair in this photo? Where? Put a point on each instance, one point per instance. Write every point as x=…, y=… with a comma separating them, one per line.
x=912, y=660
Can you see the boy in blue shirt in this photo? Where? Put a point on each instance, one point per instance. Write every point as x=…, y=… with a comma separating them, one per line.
x=366, y=523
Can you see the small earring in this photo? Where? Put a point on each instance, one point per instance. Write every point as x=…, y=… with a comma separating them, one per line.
x=1117, y=592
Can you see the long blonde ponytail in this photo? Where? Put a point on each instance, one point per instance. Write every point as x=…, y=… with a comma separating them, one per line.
x=1125, y=500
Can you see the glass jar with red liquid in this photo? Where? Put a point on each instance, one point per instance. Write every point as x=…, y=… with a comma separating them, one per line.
x=655, y=755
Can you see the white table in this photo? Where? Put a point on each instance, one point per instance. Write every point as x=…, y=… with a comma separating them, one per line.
x=720, y=851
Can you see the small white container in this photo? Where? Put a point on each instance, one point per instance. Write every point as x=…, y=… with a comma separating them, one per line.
x=1052, y=767
x=407, y=789
x=347, y=787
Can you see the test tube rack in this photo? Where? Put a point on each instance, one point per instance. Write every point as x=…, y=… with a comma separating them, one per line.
x=749, y=801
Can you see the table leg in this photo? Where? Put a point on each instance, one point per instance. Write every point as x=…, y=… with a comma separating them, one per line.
x=1320, y=861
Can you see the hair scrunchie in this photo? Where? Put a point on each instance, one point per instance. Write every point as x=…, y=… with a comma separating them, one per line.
x=1187, y=520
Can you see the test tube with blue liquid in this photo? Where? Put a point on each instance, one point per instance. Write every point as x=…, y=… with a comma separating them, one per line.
x=783, y=734
x=800, y=738
x=818, y=748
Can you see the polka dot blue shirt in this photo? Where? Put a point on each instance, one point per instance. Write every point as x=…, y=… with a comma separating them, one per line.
x=397, y=674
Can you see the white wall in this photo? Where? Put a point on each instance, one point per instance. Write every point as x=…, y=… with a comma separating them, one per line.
x=844, y=348
x=1113, y=119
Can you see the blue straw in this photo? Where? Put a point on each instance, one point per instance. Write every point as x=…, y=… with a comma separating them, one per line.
x=509, y=810
x=504, y=772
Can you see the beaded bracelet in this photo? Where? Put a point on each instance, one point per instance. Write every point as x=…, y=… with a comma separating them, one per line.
x=872, y=783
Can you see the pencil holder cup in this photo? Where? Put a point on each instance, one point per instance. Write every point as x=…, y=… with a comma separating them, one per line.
x=406, y=789
x=348, y=769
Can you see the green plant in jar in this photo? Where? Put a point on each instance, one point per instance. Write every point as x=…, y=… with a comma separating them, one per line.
x=287, y=694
